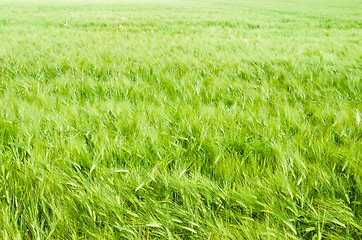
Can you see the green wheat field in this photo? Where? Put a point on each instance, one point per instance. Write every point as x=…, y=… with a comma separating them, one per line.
x=180, y=119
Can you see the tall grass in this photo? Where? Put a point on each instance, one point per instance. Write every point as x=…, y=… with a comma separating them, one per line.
x=180, y=120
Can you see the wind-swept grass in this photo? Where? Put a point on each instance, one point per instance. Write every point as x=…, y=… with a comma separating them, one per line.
x=180, y=120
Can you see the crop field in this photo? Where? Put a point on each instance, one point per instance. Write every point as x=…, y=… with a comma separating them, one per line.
x=180, y=119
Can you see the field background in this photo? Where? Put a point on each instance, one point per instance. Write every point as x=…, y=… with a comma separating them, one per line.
x=180, y=119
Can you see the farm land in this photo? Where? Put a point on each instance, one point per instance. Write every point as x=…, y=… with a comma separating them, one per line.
x=180, y=119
